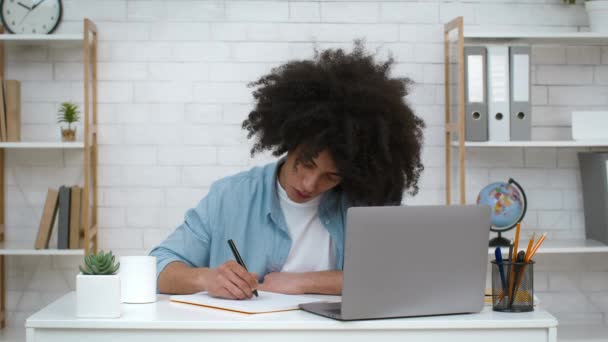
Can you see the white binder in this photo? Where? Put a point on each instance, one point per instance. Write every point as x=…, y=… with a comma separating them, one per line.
x=498, y=93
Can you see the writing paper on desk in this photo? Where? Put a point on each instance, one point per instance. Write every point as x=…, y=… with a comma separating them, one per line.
x=265, y=303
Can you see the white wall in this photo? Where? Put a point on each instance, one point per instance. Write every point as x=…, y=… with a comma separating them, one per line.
x=173, y=94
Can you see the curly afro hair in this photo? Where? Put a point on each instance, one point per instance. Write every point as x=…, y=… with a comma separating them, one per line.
x=345, y=103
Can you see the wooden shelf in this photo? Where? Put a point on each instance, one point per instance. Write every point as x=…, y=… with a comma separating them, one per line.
x=546, y=143
x=42, y=145
x=88, y=42
x=581, y=38
x=564, y=247
x=26, y=248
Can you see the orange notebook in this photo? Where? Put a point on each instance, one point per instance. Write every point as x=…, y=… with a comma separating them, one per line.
x=75, y=217
x=3, y=133
x=265, y=303
x=12, y=99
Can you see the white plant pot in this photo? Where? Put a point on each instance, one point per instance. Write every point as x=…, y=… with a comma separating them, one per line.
x=597, y=10
x=98, y=296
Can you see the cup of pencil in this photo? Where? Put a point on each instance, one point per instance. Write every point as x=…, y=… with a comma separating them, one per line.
x=507, y=297
x=513, y=277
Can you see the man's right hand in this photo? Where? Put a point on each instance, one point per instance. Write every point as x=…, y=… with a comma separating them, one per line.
x=231, y=280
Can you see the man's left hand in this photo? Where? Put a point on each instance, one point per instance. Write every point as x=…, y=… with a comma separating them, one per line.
x=283, y=282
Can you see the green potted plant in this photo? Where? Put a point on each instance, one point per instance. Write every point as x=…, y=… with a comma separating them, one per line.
x=68, y=113
x=98, y=287
x=597, y=10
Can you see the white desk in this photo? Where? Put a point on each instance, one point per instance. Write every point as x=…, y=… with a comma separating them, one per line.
x=165, y=321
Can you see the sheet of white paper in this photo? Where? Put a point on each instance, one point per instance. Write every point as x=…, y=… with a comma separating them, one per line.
x=266, y=302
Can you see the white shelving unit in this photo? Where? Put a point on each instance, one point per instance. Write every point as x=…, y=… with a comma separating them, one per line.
x=538, y=143
x=88, y=42
x=25, y=248
x=571, y=38
x=454, y=126
x=42, y=145
x=55, y=40
x=582, y=333
x=38, y=38
x=564, y=247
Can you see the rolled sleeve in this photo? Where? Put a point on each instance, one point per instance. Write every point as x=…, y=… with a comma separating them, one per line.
x=190, y=242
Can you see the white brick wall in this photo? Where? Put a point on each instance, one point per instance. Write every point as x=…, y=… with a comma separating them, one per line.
x=173, y=93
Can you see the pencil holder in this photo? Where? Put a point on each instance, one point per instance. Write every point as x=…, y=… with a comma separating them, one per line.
x=513, y=286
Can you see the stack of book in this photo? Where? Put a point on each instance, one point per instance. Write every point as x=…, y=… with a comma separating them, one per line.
x=10, y=110
x=64, y=204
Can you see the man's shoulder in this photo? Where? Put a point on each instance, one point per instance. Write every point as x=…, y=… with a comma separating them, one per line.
x=244, y=181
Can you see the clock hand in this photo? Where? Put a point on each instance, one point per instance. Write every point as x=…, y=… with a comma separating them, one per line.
x=38, y=4
x=24, y=6
x=25, y=16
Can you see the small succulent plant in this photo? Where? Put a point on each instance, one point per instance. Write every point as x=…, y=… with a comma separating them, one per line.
x=99, y=264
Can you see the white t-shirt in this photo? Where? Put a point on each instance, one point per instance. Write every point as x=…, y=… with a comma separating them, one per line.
x=312, y=246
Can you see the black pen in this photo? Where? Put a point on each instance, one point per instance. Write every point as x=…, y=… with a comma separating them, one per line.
x=238, y=258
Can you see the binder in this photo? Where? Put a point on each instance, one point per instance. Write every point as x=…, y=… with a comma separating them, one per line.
x=75, y=217
x=83, y=199
x=47, y=220
x=3, y=133
x=594, y=176
x=476, y=108
x=498, y=93
x=521, y=114
x=63, y=224
x=12, y=97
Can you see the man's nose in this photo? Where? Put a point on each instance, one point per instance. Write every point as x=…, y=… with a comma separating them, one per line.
x=309, y=183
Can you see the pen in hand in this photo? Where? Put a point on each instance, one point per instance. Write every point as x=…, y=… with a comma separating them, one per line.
x=239, y=260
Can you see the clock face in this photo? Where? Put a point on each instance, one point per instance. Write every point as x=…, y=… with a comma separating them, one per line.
x=31, y=16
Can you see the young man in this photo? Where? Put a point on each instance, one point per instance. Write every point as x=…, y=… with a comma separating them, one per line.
x=349, y=140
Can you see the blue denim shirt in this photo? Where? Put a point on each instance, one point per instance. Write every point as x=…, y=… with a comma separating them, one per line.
x=245, y=207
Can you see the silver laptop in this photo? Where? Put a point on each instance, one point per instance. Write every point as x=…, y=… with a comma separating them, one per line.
x=412, y=261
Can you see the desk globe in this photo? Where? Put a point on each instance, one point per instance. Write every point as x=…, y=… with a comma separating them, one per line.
x=508, y=202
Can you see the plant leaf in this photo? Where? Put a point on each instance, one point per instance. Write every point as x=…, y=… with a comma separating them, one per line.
x=84, y=271
x=88, y=262
x=95, y=269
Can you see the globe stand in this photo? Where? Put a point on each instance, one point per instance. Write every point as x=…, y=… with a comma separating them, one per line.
x=500, y=241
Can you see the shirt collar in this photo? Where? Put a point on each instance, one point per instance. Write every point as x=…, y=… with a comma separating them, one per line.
x=273, y=208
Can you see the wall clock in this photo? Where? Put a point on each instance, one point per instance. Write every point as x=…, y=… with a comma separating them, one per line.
x=31, y=16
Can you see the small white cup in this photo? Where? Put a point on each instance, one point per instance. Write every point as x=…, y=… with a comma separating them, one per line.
x=137, y=279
